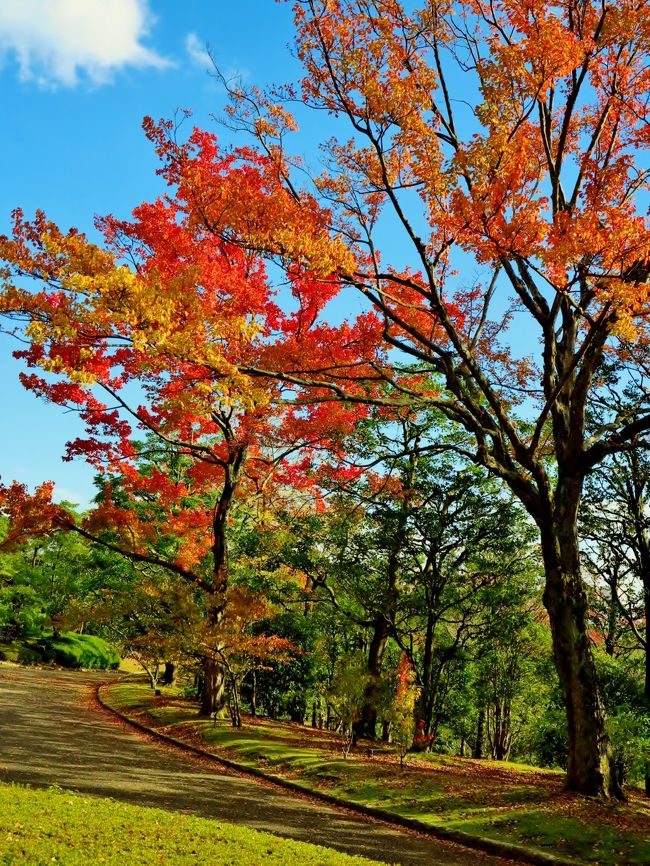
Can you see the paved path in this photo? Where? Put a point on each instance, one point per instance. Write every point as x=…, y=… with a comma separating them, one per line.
x=52, y=732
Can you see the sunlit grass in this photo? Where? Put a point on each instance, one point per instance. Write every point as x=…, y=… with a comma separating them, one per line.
x=55, y=826
x=517, y=803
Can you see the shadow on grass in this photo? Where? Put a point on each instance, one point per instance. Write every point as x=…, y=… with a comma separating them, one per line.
x=513, y=803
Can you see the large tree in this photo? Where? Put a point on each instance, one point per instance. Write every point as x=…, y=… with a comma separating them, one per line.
x=502, y=144
x=144, y=338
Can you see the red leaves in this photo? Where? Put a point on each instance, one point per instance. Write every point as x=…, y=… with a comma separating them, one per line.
x=30, y=515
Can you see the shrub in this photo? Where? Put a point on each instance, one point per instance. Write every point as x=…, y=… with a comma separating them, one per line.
x=80, y=651
x=27, y=655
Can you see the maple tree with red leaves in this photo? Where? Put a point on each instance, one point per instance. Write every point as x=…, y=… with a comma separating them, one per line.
x=147, y=336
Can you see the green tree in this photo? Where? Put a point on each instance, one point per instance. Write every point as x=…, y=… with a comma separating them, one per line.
x=615, y=529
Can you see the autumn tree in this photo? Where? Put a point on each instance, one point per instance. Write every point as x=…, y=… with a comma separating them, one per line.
x=501, y=142
x=144, y=337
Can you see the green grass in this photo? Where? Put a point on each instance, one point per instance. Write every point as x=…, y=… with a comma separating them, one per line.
x=515, y=803
x=55, y=826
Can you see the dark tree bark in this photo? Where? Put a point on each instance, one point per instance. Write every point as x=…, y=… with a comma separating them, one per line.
x=499, y=730
x=169, y=674
x=590, y=765
x=480, y=735
x=213, y=687
x=214, y=675
x=366, y=725
x=424, y=707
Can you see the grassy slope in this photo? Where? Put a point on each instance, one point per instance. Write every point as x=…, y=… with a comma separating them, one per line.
x=69, y=650
x=55, y=826
x=514, y=803
x=83, y=651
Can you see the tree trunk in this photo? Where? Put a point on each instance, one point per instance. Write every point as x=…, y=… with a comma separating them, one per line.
x=366, y=726
x=480, y=735
x=169, y=674
x=613, y=615
x=213, y=687
x=500, y=733
x=590, y=767
x=235, y=711
x=153, y=675
x=214, y=674
x=424, y=706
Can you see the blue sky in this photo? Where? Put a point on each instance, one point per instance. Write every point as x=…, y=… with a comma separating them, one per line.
x=77, y=78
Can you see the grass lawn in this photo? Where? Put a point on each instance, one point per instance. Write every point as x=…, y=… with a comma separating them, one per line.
x=55, y=826
x=508, y=802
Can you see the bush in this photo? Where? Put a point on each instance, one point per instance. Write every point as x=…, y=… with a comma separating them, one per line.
x=79, y=651
x=27, y=655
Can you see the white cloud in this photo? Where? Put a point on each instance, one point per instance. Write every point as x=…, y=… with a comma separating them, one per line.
x=56, y=42
x=63, y=494
x=197, y=51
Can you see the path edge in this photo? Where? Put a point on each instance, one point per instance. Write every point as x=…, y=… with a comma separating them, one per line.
x=460, y=837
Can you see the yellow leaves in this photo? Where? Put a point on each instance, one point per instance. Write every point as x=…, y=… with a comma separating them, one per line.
x=36, y=331
x=321, y=254
x=275, y=121
x=78, y=375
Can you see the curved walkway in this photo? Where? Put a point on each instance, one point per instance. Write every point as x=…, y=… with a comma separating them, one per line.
x=52, y=732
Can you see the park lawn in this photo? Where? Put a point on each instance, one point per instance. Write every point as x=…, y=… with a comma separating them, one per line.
x=507, y=802
x=57, y=826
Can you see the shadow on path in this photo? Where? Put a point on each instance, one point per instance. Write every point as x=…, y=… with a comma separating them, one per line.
x=51, y=735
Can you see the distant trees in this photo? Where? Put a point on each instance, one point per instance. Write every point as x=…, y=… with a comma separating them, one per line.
x=615, y=529
x=40, y=581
